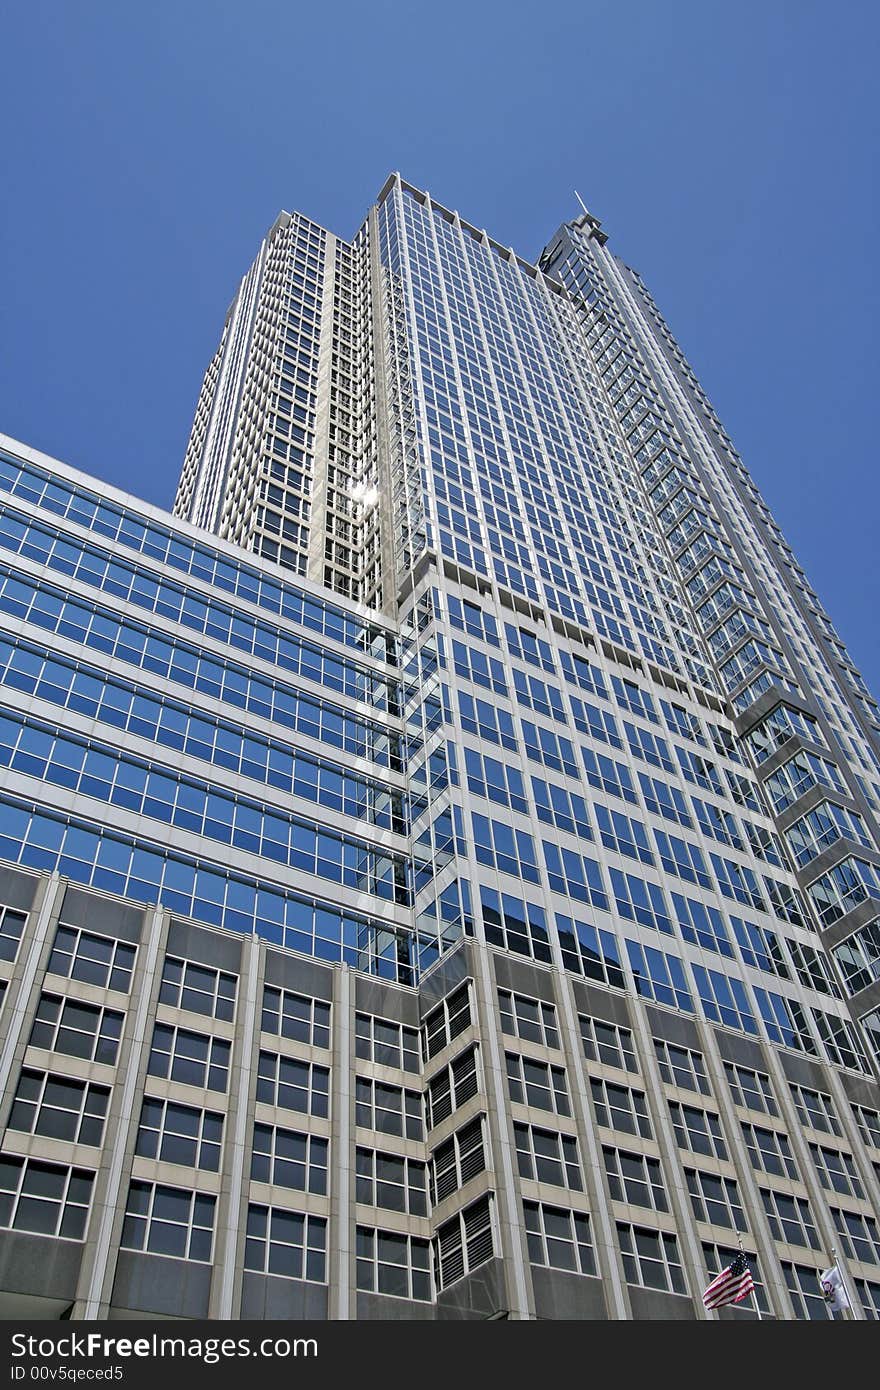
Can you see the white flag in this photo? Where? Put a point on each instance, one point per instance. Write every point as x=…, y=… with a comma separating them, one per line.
x=833, y=1289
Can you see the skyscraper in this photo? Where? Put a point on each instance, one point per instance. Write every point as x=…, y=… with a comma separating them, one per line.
x=480, y=879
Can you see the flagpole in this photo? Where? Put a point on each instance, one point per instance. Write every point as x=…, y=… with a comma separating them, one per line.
x=754, y=1295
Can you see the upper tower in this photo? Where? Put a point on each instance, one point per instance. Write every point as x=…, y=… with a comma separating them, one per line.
x=282, y=445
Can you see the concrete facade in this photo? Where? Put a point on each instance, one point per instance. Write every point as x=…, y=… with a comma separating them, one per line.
x=600, y=1039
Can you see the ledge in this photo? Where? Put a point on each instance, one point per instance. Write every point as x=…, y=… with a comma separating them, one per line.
x=865, y=911
x=786, y=751
x=766, y=703
x=814, y=796
x=841, y=849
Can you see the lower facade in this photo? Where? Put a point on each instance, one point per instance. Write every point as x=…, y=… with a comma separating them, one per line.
x=198, y=1125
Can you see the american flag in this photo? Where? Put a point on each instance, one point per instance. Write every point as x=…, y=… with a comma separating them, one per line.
x=732, y=1285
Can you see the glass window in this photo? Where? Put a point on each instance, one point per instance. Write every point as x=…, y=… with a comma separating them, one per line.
x=651, y=1258
x=715, y=1199
x=457, y=1160
x=536, y=1083
x=47, y=1199
x=288, y=1158
x=392, y=1181
x=659, y=975
x=868, y=1122
x=464, y=1242
x=452, y=1087
x=295, y=1016
x=608, y=1043
x=391, y=1263
x=724, y=999
x=96, y=960
x=559, y=1238
x=815, y=1109
x=547, y=1156
x=805, y=1292
x=699, y=1131
x=79, y=1030
x=59, y=1107
x=198, y=988
x=12, y=924
x=590, y=951
x=858, y=1235
x=293, y=1084
x=635, y=1178
x=770, y=1151
x=533, y=1020
x=176, y=1133
x=751, y=1090
x=286, y=1243
x=858, y=957
x=837, y=1171
x=387, y=1043
x=790, y=1219
x=620, y=1107
x=444, y=1023
x=682, y=1067
x=195, y=1059
x=168, y=1221
x=388, y=1109
x=514, y=925
x=869, y=1296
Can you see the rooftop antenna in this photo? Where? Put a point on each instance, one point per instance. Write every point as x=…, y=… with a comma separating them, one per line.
x=582, y=203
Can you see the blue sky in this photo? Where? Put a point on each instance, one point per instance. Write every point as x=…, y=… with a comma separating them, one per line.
x=730, y=151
